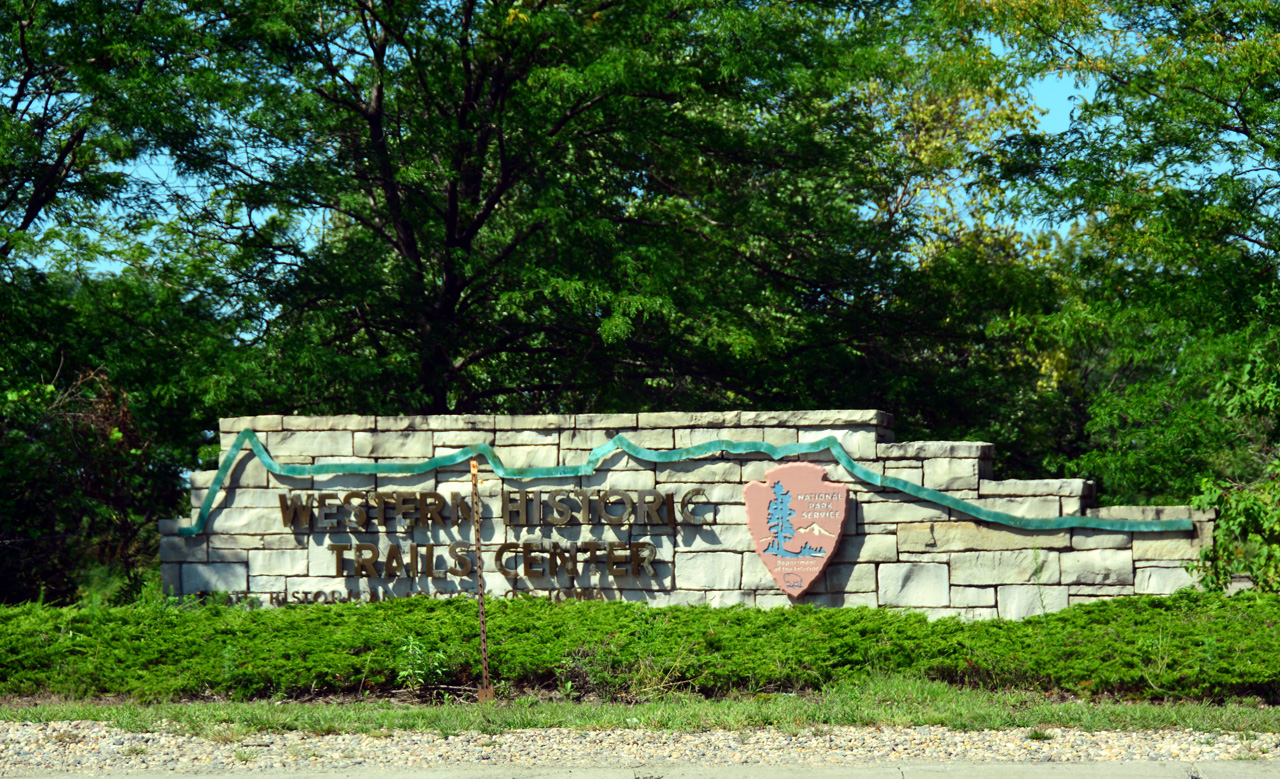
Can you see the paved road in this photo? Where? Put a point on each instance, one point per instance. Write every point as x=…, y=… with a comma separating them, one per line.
x=1227, y=769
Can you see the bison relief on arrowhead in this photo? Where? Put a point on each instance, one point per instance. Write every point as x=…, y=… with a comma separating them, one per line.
x=795, y=516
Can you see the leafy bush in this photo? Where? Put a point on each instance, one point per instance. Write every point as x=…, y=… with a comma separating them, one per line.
x=1246, y=537
x=80, y=491
x=421, y=666
x=1192, y=645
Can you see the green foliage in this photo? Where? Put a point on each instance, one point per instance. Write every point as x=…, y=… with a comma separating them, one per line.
x=1164, y=183
x=656, y=204
x=1194, y=645
x=67, y=124
x=1246, y=538
x=90, y=458
x=421, y=667
x=648, y=204
x=88, y=519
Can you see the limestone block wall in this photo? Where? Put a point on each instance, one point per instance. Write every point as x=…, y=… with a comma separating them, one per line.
x=635, y=529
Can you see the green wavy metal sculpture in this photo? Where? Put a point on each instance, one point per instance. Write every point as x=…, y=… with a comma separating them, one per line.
x=620, y=443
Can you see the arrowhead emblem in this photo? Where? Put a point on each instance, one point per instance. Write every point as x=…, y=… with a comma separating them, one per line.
x=795, y=516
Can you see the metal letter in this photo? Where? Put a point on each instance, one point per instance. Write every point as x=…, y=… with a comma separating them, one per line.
x=462, y=563
x=562, y=557
x=592, y=548
x=407, y=508
x=393, y=567
x=364, y=565
x=584, y=501
x=617, y=558
x=294, y=511
x=560, y=510
x=642, y=556
x=384, y=509
x=529, y=561
x=685, y=514
x=509, y=510
x=429, y=552
x=499, y=560
x=326, y=515
x=431, y=505
x=628, y=506
x=358, y=517
x=461, y=511
x=651, y=501
x=339, y=558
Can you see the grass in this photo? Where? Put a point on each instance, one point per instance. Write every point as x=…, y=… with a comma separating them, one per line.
x=873, y=701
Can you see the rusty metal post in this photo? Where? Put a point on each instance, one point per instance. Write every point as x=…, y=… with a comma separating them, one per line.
x=485, y=693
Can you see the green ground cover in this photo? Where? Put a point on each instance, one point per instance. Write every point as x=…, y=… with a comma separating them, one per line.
x=1201, y=647
x=875, y=700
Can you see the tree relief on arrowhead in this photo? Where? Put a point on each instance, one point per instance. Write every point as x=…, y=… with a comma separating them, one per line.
x=796, y=516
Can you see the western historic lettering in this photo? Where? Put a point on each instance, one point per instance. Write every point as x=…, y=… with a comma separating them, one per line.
x=369, y=511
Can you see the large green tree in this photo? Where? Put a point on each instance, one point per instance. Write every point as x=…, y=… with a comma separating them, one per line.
x=108, y=381
x=393, y=206
x=1169, y=177
x=605, y=205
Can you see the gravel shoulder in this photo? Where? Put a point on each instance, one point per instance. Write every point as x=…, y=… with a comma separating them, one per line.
x=90, y=747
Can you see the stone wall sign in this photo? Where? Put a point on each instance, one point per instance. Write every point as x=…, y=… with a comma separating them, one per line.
x=750, y=508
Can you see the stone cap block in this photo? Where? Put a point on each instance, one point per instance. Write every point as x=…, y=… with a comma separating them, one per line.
x=437, y=422
x=689, y=418
x=925, y=450
x=1065, y=488
x=533, y=422
x=1150, y=513
x=201, y=480
x=337, y=422
x=604, y=421
x=814, y=418
x=266, y=422
x=817, y=418
x=413, y=422
x=403, y=443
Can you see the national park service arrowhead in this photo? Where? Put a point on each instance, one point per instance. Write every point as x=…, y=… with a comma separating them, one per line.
x=796, y=516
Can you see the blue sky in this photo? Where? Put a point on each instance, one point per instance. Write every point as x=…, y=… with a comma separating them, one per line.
x=1055, y=95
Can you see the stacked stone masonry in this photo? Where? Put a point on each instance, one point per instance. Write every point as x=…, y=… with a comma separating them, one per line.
x=896, y=551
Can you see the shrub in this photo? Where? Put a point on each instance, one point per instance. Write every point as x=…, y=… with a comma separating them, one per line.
x=1193, y=645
